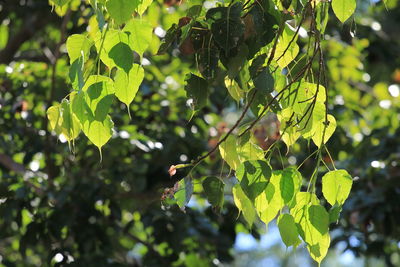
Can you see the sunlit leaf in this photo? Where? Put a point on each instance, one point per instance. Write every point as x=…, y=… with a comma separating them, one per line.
x=127, y=85
x=323, y=130
x=78, y=45
x=244, y=205
x=336, y=186
x=228, y=151
x=121, y=10
x=344, y=8
x=140, y=34
x=253, y=177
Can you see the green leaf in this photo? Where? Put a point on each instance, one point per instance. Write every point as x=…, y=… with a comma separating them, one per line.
x=288, y=230
x=3, y=36
x=234, y=89
x=70, y=124
x=253, y=177
x=76, y=74
x=144, y=4
x=54, y=116
x=79, y=106
x=334, y=213
x=336, y=186
x=140, y=35
x=319, y=218
x=169, y=39
x=98, y=132
x=226, y=27
x=208, y=61
x=99, y=92
x=194, y=11
x=78, y=45
x=344, y=8
x=197, y=89
x=235, y=64
x=121, y=10
x=319, y=249
x=321, y=130
x=214, y=190
x=269, y=203
x=290, y=183
x=264, y=82
x=122, y=55
x=229, y=153
x=59, y=3
x=260, y=28
x=290, y=132
x=301, y=95
x=285, y=51
x=111, y=39
x=250, y=151
x=244, y=205
x=313, y=221
x=127, y=85
x=184, y=192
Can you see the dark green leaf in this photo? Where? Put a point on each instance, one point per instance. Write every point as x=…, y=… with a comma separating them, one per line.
x=197, y=89
x=253, y=176
x=227, y=27
x=214, y=190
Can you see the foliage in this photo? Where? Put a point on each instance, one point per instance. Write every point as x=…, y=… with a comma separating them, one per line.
x=248, y=56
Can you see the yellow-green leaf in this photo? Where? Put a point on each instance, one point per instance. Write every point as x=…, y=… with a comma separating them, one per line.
x=336, y=186
x=121, y=10
x=253, y=177
x=344, y=8
x=127, y=85
x=78, y=45
x=229, y=153
x=323, y=131
x=98, y=132
x=140, y=35
x=244, y=204
x=55, y=118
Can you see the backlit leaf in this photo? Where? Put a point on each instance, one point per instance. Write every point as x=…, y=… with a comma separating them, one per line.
x=253, y=177
x=321, y=130
x=78, y=45
x=344, y=8
x=336, y=186
x=244, y=204
x=140, y=35
x=98, y=132
x=228, y=151
x=121, y=10
x=127, y=85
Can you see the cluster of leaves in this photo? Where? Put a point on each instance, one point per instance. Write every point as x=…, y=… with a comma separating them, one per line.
x=88, y=106
x=258, y=48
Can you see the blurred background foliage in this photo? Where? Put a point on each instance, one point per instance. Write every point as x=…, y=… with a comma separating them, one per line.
x=62, y=208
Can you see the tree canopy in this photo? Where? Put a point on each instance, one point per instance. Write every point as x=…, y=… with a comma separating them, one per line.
x=151, y=133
